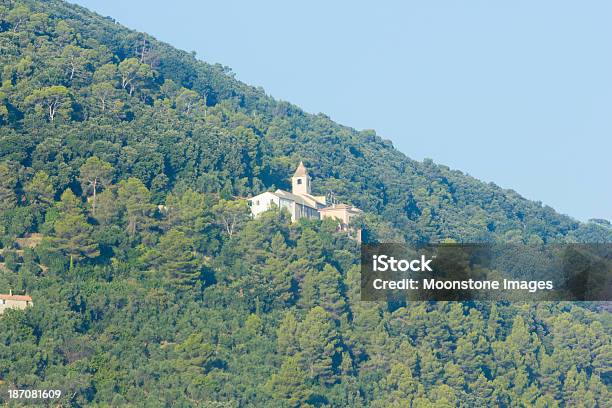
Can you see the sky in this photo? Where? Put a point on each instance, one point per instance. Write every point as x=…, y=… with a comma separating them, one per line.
x=516, y=93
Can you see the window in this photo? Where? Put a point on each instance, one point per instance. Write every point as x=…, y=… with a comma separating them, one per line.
x=299, y=181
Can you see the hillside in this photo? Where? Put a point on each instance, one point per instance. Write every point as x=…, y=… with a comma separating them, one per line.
x=191, y=123
x=127, y=159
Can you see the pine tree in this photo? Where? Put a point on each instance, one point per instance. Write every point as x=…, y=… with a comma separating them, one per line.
x=276, y=273
x=287, y=335
x=309, y=248
x=40, y=191
x=549, y=376
x=600, y=393
x=431, y=367
x=289, y=386
x=72, y=235
x=546, y=401
x=323, y=289
x=187, y=211
x=482, y=393
x=176, y=258
x=399, y=387
x=134, y=197
x=319, y=342
x=444, y=396
x=95, y=174
x=69, y=203
x=230, y=215
x=108, y=210
x=8, y=182
x=453, y=375
x=470, y=353
x=50, y=102
x=493, y=323
x=574, y=388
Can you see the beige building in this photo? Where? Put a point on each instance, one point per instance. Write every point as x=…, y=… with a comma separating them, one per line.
x=344, y=213
x=302, y=204
x=11, y=301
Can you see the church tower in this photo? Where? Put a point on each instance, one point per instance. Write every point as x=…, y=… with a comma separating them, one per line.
x=300, y=182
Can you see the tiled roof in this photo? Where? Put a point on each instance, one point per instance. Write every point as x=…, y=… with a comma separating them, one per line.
x=300, y=199
x=16, y=297
x=315, y=198
x=341, y=207
x=300, y=171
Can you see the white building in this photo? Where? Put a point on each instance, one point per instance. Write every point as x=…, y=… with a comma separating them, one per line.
x=302, y=204
x=299, y=202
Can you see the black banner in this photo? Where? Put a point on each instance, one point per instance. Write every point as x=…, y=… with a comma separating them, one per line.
x=515, y=272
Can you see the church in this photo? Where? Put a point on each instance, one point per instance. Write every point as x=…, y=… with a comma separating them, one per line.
x=302, y=204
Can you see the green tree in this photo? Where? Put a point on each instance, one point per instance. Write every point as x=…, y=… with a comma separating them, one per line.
x=398, y=388
x=69, y=203
x=310, y=248
x=323, y=289
x=230, y=215
x=430, y=367
x=453, y=376
x=95, y=174
x=107, y=73
x=188, y=101
x=3, y=109
x=18, y=16
x=134, y=197
x=65, y=34
x=50, y=101
x=188, y=211
x=108, y=210
x=289, y=385
x=287, y=335
x=75, y=60
x=8, y=182
x=482, y=392
x=131, y=71
x=574, y=388
x=319, y=342
x=550, y=377
x=175, y=257
x=72, y=235
x=40, y=191
x=278, y=277
x=104, y=94
x=195, y=355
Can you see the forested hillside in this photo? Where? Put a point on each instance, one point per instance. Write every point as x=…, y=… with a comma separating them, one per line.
x=123, y=167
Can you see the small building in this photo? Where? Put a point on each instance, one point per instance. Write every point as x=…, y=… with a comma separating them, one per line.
x=344, y=214
x=11, y=301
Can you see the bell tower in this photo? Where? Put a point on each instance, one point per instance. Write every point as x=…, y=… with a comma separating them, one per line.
x=300, y=182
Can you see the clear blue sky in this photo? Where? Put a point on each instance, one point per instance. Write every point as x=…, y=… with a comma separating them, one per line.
x=518, y=93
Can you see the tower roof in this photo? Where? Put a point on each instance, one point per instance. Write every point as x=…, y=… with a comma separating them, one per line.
x=301, y=170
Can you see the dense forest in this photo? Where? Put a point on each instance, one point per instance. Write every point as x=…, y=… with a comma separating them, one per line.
x=124, y=164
